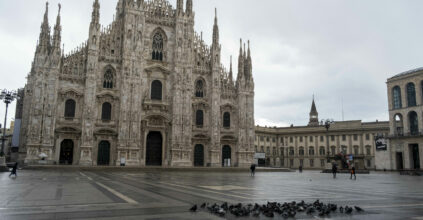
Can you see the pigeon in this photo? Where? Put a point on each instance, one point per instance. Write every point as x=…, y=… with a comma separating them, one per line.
x=358, y=209
x=341, y=209
x=348, y=210
x=203, y=205
x=193, y=209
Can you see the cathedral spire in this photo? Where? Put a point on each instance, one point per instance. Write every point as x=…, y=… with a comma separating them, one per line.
x=57, y=31
x=230, y=72
x=240, y=62
x=189, y=7
x=180, y=6
x=95, y=19
x=44, y=41
x=215, y=30
x=314, y=115
x=249, y=63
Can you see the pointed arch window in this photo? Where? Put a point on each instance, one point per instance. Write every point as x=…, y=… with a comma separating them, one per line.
x=199, y=118
x=108, y=79
x=106, y=111
x=199, y=88
x=157, y=53
x=396, y=93
x=156, y=90
x=411, y=94
x=226, y=120
x=70, y=105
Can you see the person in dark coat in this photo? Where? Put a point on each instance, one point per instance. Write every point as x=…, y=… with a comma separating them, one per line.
x=334, y=170
x=353, y=172
x=14, y=168
x=300, y=168
x=253, y=169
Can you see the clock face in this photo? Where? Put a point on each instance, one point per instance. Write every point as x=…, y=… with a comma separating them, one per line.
x=313, y=116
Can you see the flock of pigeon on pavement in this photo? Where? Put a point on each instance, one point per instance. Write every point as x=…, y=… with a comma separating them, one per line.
x=273, y=209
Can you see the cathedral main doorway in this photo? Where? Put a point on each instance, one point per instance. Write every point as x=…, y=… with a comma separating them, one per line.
x=226, y=156
x=154, y=149
x=66, y=152
x=103, y=157
x=199, y=155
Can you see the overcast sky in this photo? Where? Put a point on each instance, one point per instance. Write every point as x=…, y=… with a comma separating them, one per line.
x=340, y=51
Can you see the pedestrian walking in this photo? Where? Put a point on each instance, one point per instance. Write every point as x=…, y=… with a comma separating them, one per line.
x=300, y=168
x=353, y=173
x=14, y=168
x=253, y=169
x=334, y=170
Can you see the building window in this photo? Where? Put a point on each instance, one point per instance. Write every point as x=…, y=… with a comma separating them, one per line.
x=311, y=150
x=291, y=151
x=411, y=95
x=226, y=120
x=199, y=88
x=301, y=139
x=156, y=90
x=268, y=150
x=367, y=136
x=396, y=93
x=301, y=162
x=369, y=163
x=322, y=139
x=322, y=151
x=281, y=149
x=158, y=44
x=267, y=139
x=355, y=137
x=291, y=139
x=322, y=163
x=70, y=106
x=108, y=79
x=355, y=150
x=344, y=149
x=261, y=138
x=262, y=149
x=273, y=140
x=414, y=123
x=333, y=150
x=255, y=147
x=301, y=151
x=368, y=150
x=311, y=138
x=274, y=151
x=106, y=112
x=199, y=118
x=311, y=163
x=332, y=137
x=344, y=137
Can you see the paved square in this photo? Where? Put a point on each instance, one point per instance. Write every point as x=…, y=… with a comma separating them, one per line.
x=138, y=194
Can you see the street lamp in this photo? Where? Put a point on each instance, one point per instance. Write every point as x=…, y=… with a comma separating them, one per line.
x=7, y=97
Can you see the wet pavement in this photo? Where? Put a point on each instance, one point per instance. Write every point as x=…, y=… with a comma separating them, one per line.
x=138, y=194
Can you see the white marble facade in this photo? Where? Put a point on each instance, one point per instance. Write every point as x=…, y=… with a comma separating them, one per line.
x=145, y=89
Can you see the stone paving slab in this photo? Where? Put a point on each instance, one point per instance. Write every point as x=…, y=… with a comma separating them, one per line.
x=134, y=194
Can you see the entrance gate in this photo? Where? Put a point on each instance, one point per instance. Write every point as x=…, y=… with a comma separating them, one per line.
x=66, y=152
x=226, y=154
x=199, y=155
x=400, y=161
x=154, y=149
x=103, y=157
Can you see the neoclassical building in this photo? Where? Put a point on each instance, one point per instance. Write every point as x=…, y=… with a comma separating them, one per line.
x=146, y=89
x=311, y=146
x=405, y=98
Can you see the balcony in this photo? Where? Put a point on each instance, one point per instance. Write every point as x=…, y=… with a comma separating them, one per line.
x=406, y=135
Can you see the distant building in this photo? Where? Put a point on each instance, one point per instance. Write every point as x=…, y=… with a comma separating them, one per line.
x=405, y=97
x=312, y=145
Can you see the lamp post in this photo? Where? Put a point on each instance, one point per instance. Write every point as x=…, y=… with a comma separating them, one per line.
x=7, y=97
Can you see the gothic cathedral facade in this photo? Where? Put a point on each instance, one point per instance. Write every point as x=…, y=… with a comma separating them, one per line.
x=145, y=91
